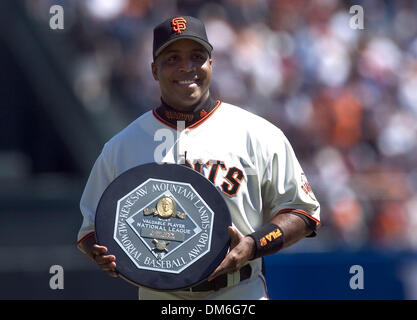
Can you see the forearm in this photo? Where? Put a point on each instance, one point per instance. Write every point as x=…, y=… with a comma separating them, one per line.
x=98, y=254
x=281, y=232
x=294, y=228
x=86, y=246
x=243, y=249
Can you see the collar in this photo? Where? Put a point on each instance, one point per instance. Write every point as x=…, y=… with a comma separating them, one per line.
x=170, y=116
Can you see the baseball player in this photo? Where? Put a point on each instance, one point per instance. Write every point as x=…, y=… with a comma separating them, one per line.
x=246, y=157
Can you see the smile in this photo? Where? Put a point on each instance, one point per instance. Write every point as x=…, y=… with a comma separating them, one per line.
x=187, y=82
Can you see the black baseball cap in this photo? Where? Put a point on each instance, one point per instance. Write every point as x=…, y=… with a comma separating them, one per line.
x=180, y=27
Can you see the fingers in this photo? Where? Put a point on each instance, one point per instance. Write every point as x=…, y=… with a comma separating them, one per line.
x=98, y=250
x=237, y=256
x=216, y=273
x=225, y=267
x=105, y=262
x=113, y=274
x=234, y=237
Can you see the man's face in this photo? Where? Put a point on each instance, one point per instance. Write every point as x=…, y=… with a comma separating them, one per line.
x=166, y=204
x=183, y=70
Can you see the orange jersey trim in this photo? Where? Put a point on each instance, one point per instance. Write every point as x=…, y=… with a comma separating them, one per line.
x=163, y=120
x=88, y=235
x=264, y=283
x=194, y=125
x=208, y=115
x=304, y=213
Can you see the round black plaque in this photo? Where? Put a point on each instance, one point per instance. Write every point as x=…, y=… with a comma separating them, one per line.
x=166, y=224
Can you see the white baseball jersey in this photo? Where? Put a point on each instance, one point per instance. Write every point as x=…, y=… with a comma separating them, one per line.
x=246, y=157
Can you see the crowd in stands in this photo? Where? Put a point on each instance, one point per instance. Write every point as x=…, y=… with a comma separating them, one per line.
x=345, y=97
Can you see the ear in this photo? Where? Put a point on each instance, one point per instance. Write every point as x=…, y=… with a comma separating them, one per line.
x=210, y=63
x=154, y=69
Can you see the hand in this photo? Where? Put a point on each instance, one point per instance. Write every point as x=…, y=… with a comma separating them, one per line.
x=105, y=262
x=241, y=250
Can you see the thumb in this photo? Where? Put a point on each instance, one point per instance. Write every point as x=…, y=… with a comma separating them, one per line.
x=234, y=237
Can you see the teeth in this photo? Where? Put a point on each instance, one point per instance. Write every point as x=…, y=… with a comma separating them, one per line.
x=186, y=81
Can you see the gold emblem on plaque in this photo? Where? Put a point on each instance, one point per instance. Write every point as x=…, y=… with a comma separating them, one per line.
x=160, y=245
x=165, y=208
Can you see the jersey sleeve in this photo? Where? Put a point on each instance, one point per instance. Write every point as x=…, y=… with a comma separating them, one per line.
x=100, y=177
x=285, y=186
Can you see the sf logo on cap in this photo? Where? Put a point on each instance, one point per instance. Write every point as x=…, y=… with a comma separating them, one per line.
x=179, y=24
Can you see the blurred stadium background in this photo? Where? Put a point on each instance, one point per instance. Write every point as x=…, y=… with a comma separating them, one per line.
x=347, y=100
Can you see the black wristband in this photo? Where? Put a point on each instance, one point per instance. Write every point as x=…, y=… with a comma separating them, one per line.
x=268, y=240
